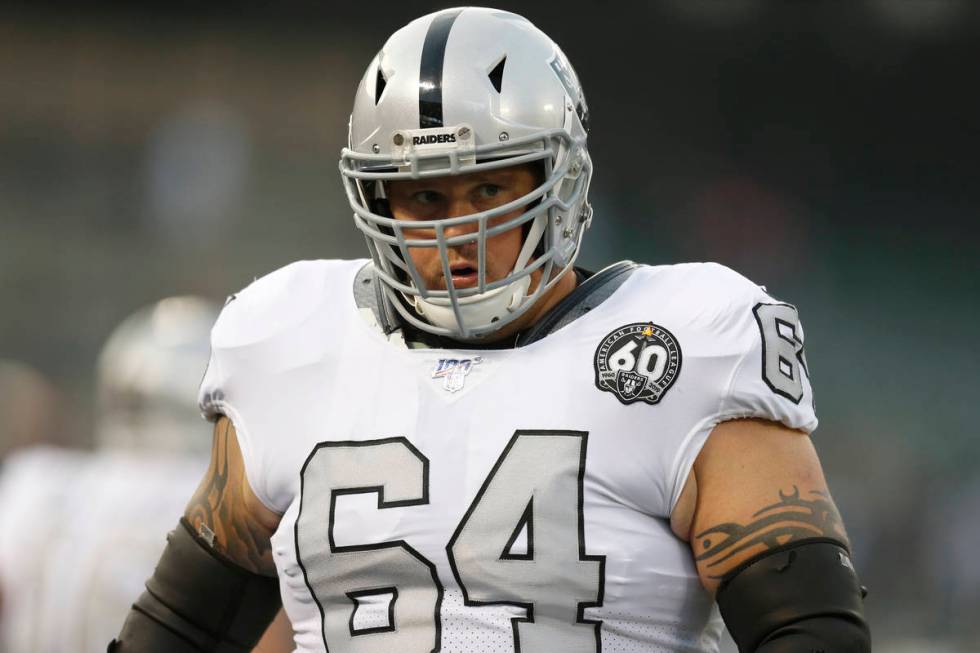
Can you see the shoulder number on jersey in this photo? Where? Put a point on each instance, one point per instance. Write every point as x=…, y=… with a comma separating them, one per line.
x=783, y=359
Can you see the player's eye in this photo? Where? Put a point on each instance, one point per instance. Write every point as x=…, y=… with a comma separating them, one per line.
x=488, y=191
x=427, y=197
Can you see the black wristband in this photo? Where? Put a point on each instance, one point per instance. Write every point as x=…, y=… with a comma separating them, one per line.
x=197, y=600
x=802, y=590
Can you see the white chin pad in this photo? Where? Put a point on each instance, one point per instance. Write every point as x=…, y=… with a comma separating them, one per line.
x=477, y=310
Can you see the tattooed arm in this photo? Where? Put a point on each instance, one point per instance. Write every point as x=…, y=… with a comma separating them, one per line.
x=215, y=585
x=755, y=485
x=225, y=512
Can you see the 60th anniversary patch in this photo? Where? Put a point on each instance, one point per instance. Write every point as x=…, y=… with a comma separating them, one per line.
x=638, y=362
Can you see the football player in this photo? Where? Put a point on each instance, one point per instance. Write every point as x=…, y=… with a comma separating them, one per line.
x=466, y=443
x=81, y=530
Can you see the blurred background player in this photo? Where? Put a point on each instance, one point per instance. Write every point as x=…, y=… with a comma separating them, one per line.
x=81, y=531
x=29, y=407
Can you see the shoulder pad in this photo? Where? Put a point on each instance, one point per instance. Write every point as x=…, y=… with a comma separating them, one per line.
x=722, y=316
x=275, y=303
x=710, y=284
x=708, y=297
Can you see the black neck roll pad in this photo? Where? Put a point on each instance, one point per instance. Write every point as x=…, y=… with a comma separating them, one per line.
x=197, y=600
x=801, y=592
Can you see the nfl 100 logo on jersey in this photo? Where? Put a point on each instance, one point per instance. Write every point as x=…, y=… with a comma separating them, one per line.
x=638, y=362
x=453, y=371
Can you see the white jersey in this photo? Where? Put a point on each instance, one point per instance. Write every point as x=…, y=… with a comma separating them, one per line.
x=495, y=500
x=80, y=533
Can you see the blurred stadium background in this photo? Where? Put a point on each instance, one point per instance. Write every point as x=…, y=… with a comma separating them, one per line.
x=825, y=149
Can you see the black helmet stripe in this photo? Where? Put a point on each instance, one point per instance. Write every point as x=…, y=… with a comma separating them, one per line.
x=430, y=70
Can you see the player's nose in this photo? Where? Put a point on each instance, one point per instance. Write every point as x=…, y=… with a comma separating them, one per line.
x=457, y=209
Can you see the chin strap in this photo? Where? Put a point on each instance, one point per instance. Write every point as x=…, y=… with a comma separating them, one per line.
x=486, y=308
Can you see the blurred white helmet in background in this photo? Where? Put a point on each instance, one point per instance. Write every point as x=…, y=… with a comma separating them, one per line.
x=148, y=374
x=460, y=91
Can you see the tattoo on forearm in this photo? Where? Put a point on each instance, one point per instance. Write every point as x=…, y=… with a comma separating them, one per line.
x=791, y=518
x=201, y=509
x=216, y=512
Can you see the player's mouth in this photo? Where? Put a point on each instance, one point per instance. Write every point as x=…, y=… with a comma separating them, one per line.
x=464, y=275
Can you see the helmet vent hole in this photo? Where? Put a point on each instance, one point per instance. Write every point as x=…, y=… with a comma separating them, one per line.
x=497, y=74
x=379, y=86
x=583, y=116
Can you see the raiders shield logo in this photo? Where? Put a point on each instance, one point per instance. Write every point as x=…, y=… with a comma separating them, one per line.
x=638, y=362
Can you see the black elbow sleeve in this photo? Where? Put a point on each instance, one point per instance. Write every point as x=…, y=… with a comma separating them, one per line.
x=800, y=598
x=197, y=601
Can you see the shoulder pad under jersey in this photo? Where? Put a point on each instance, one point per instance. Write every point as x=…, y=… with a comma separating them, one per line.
x=726, y=315
x=272, y=324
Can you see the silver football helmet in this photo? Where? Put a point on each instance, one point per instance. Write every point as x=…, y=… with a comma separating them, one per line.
x=459, y=91
x=147, y=377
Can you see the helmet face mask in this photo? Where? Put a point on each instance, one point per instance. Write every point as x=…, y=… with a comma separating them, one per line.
x=533, y=83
